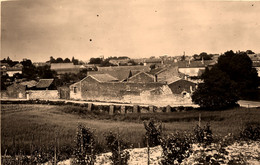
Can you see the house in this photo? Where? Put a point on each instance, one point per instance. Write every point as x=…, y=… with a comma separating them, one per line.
x=255, y=62
x=16, y=90
x=14, y=70
x=89, y=85
x=38, y=64
x=4, y=67
x=119, y=61
x=166, y=74
x=192, y=68
x=153, y=61
x=182, y=87
x=44, y=89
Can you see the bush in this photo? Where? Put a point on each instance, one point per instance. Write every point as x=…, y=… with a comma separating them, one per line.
x=251, y=132
x=176, y=148
x=203, y=135
x=117, y=146
x=153, y=132
x=85, y=142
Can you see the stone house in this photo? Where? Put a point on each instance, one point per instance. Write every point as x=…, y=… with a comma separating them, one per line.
x=166, y=74
x=16, y=91
x=193, y=68
x=182, y=87
x=104, y=87
x=14, y=70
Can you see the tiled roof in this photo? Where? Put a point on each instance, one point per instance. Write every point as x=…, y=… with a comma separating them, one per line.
x=44, y=83
x=172, y=79
x=194, y=64
x=141, y=73
x=120, y=72
x=119, y=75
x=104, y=77
x=29, y=84
x=118, y=68
x=156, y=71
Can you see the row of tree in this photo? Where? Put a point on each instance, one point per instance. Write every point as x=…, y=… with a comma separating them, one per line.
x=66, y=60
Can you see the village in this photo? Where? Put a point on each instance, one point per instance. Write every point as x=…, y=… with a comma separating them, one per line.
x=172, y=80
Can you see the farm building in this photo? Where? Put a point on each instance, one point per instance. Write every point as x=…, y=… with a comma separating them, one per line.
x=193, y=68
x=106, y=87
x=166, y=74
x=183, y=87
x=139, y=88
x=17, y=91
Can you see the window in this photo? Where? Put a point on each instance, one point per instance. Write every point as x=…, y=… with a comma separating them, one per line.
x=75, y=89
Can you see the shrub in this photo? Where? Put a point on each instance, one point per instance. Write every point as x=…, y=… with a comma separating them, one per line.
x=203, y=135
x=153, y=132
x=251, y=132
x=176, y=148
x=85, y=142
x=117, y=146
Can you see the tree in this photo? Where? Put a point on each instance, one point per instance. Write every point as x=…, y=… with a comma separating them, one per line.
x=183, y=58
x=66, y=60
x=29, y=70
x=217, y=91
x=231, y=79
x=249, y=52
x=95, y=61
x=205, y=56
x=52, y=60
x=239, y=68
x=75, y=61
x=106, y=63
x=59, y=60
x=45, y=72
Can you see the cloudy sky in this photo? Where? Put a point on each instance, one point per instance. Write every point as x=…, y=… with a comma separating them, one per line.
x=39, y=29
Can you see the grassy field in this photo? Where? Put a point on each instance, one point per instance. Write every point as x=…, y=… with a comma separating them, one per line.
x=26, y=127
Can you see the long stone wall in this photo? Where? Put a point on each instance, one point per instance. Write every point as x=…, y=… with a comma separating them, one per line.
x=109, y=108
x=43, y=94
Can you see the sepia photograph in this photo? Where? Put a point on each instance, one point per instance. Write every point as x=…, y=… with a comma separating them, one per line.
x=130, y=82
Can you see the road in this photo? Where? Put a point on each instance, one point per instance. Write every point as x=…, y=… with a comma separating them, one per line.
x=249, y=104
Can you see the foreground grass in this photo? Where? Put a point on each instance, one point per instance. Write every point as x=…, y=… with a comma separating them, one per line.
x=28, y=127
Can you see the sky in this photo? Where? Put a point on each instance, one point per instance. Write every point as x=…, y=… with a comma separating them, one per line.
x=38, y=29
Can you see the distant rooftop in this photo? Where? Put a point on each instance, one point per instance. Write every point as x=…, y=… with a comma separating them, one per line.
x=104, y=77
